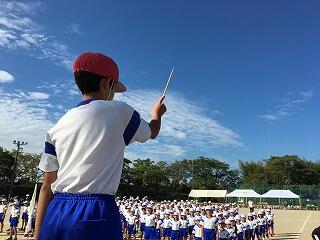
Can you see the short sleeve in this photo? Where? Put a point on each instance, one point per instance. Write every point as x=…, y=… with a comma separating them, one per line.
x=49, y=161
x=137, y=129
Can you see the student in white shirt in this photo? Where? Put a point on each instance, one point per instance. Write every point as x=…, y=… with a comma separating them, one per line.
x=149, y=231
x=14, y=220
x=3, y=210
x=83, y=156
x=191, y=220
x=251, y=226
x=175, y=226
x=209, y=224
x=184, y=227
x=142, y=221
x=159, y=222
x=262, y=225
x=24, y=216
x=166, y=227
x=240, y=228
x=230, y=229
x=270, y=222
x=131, y=220
x=197, y=231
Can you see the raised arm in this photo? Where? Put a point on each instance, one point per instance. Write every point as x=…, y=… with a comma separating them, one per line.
x=158, y=110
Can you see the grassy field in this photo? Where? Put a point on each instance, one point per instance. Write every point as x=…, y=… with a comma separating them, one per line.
x=289, y=224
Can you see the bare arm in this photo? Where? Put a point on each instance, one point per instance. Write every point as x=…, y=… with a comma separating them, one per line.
x=158, y=110
x=45, y=198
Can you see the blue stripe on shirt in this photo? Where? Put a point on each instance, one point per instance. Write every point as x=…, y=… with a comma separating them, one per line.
x=49, y=149
x=132, y=127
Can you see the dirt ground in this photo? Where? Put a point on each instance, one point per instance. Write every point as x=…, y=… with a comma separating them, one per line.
x=289, y=224
x=294, y=224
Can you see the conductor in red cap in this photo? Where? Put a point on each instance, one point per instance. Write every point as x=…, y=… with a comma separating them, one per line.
x=83, y=156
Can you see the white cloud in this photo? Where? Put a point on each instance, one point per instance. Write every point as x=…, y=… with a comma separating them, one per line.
x=23, y=119
x=289, y=106
x=75, y=28
x=269, y=117
x=38, y=95
x=18, y=31
x=5, y=77
x=185, y=127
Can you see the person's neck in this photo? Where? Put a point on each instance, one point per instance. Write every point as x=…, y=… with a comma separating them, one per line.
x=92, y=96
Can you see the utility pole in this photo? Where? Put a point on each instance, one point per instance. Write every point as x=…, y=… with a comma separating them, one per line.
x=13, y=175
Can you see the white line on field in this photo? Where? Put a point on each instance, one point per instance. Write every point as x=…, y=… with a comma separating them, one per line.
x=305, y=222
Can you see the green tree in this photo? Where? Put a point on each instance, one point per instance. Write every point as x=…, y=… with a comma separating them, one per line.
x=6, y=167
x=27, y=168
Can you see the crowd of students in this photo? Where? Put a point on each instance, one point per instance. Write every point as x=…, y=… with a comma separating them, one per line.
x=182, y=220
x=19, y=210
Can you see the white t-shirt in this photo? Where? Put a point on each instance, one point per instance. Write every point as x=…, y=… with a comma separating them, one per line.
x=131, y=219
x=209, y=223
x=3, y=208
x=15, y=212
x=150, y=220
x=175, y=225
x=158, y=223
x=166, y=223
x=184, y=223
x=240, y=227
x=143, y=218
x=191, y=221
x=197, y=231
x=87, y=144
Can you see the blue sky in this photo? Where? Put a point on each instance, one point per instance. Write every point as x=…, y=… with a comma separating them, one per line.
x=246, y=81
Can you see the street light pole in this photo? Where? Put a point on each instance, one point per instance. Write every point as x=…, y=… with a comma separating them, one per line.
x=13, y=175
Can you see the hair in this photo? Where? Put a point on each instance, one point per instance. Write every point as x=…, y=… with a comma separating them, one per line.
x=87, y=82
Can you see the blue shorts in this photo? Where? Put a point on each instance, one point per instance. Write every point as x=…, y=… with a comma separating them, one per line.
x=131, y=229
x=261, y=230
x=142, y=226
x=166, y=232
x=184, y=232
x=149, y=233
x=157, y=235
x=175, y=235
x=209, y=234
x=197, y=238
x=79, y=216
x=190, y=229
x=33, y=223
x=14, y=221
x=240, y=236
x=1, y=217
x=24, y=216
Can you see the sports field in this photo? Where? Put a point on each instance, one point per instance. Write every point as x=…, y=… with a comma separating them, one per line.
x=294, y=224
x=290, y=224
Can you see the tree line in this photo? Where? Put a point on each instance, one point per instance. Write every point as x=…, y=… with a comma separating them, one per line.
x=174, y=180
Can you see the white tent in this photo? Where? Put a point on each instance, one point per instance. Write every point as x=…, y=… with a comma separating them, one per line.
x=279, y=194
x=208, y=193
x=244, y=193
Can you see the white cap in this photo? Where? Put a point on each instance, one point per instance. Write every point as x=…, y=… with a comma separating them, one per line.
x=228, y=221
x=208, y=208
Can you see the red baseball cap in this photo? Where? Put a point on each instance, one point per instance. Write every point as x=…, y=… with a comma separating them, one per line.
x=99, y=64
